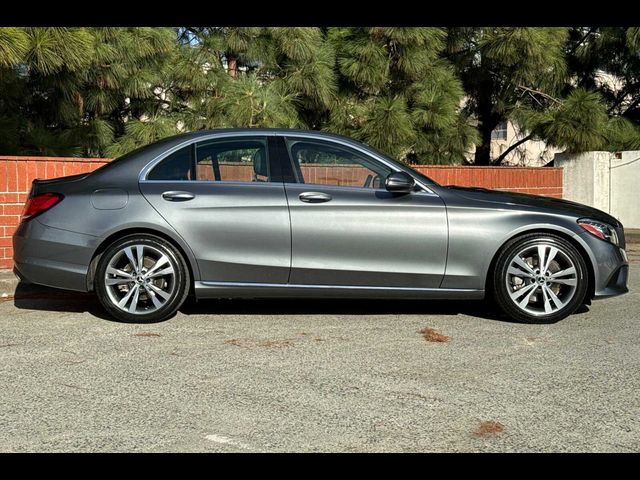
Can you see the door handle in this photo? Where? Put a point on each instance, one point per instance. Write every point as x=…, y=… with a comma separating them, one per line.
x=177, y=196
x=314, y=197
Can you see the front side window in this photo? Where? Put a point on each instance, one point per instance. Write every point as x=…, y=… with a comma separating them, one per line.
x=241, y=160
x=324, y=163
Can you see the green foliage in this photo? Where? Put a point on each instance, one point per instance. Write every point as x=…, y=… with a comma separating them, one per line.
x=423, y=95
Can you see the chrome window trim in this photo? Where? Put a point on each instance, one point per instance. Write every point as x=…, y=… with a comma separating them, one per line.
x=142, y=177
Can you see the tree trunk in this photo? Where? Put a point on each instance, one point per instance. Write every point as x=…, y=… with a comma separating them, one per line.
x=483, y=151
x=487, y=120
x=232, y=65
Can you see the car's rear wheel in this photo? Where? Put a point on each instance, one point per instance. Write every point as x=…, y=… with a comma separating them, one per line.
x=142, y=278
x=539, y=278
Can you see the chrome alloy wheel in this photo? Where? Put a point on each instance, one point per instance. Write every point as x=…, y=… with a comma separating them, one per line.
x=541, y=279
x=140, y=279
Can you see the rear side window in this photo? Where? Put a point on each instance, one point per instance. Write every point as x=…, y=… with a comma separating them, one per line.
x=177, y=166
x=239, y=160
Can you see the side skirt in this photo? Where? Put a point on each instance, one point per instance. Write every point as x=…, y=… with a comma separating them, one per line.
x=258, y=290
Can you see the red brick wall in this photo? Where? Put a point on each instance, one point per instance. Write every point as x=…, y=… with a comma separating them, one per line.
x=16, y=174
x=538, y=181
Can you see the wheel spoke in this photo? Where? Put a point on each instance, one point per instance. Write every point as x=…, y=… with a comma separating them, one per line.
x=129, y=253
x=119, y=273
x=163, y=260
x=519, y=273
x=140, y=254
x=117, y=281
x=134, y=302
x=542, y=252
x=547, y=303
x=525, y=300
x=521, y=263
x=565, y=281
x=160, y=273
x=563, y=273
x=550, y=257
x=559, y=303
x=154, y=298
x=160, y=292
x=516, y=294
x=123, y=302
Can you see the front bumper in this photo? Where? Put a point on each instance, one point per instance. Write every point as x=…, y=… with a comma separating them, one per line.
x=610, y=266
x=51, y=256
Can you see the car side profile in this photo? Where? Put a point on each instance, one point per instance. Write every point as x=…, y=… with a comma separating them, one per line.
x=290, y=213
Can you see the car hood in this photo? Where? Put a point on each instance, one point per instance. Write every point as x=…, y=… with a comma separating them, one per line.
x=547, y=203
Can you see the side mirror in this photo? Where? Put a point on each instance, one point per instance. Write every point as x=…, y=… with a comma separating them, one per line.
x=399, y=182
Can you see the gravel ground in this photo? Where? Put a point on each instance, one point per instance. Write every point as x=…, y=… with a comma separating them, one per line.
x=254, y=375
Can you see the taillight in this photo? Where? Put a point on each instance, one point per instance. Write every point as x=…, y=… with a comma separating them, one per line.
x=40, y=204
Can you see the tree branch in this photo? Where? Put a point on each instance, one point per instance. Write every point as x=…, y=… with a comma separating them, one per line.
x=542, y=94
x=584, y=37
x=502, y=156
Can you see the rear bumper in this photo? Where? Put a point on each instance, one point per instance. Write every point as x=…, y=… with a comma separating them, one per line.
x=52, y=256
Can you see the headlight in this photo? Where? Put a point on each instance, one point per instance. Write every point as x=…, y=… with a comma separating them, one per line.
x=600, y=230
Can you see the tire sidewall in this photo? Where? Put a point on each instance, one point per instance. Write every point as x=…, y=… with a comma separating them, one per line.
x=180, y=291
x=501, y=293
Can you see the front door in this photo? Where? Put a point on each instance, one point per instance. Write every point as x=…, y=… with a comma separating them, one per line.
x=348, y=230
x=220, y=195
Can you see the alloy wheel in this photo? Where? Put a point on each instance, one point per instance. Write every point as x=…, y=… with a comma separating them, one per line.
x=140, y=279
x=541, y=279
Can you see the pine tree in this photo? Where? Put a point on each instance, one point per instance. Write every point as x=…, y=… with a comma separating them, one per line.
x=398, y=95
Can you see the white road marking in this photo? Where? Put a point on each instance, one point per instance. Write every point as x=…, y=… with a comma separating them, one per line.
x=225, y=440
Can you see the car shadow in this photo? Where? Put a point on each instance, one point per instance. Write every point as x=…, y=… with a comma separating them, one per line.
x=35, y=297
x=325, y=306
x=28, y=296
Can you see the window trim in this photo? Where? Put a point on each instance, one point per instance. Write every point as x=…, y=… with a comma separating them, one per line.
x=277, y=161
x=424, y=188
x=274, y=164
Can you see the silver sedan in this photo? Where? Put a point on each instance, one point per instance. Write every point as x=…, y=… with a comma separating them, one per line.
x=290, y=213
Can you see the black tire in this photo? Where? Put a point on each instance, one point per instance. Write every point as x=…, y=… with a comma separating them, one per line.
x=181, y=280
x=501, y=278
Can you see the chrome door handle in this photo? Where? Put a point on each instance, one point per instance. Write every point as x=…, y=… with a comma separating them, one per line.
x=177, y=196
x=314, y=197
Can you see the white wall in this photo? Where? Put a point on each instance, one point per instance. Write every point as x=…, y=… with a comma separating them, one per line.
x=601, y=180
x=625, y=188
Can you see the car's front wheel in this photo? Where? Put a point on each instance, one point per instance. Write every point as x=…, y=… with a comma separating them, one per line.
x=142, y=278
x=539, y=278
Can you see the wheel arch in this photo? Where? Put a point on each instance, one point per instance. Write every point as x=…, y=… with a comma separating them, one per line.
x=182, y=248
x=566, y=235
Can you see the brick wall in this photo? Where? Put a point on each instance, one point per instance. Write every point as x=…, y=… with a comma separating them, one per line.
x=16, y=174
x=538, y=181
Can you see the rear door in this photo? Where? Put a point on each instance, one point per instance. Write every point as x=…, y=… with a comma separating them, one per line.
x=347, y=229
x=225, y=198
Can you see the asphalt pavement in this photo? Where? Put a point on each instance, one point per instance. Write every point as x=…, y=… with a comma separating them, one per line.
x=361, y=376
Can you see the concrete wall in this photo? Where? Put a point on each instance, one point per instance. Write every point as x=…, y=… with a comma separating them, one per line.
x=625, y=188
x=604, y=181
